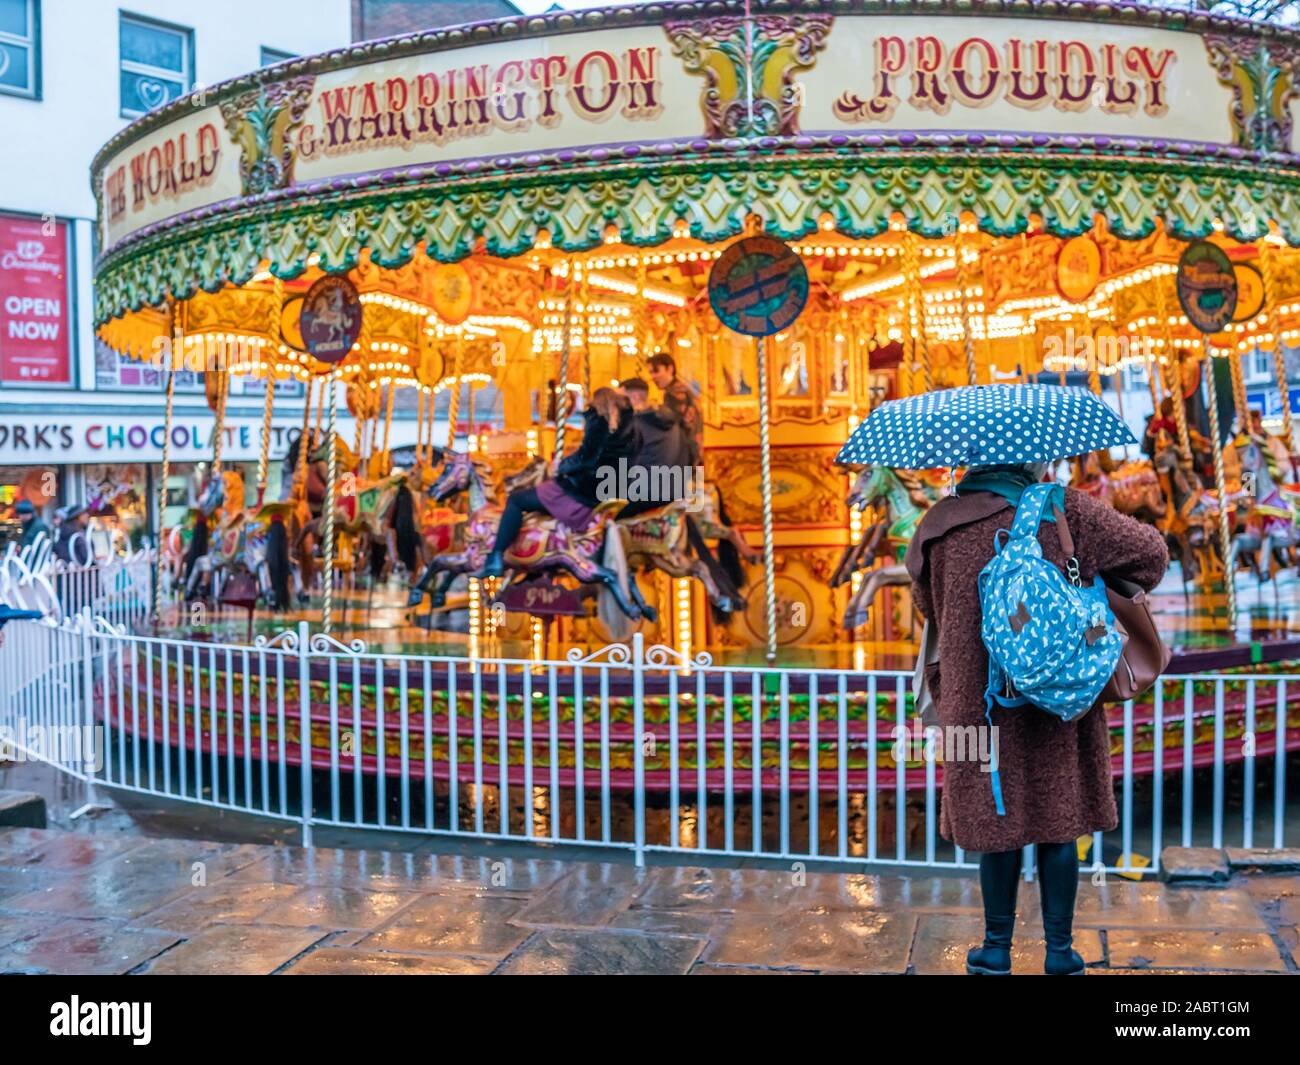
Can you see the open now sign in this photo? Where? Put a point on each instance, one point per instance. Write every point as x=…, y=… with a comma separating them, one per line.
x=35, y=317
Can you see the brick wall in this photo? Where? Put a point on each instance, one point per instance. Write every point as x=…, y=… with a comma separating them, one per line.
x=385, y=18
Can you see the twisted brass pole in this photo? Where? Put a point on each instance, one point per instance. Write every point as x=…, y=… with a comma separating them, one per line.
x=1272, y=297
x=331, y=491
x=1221, y=484
x=765, y=460
x=176, y=329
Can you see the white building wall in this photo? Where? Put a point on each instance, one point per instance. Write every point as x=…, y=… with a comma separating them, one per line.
x=50, y=141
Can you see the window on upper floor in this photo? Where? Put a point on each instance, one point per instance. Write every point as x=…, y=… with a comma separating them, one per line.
x=20, y=47
x=1261, y=363
x=157, y=63
x=271, y=56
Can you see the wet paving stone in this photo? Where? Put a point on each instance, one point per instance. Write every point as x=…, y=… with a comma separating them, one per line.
x=745, y=970
x=454, y=924
x=737, y=890
x=326, y=867
x=699, y=923
x=1190, y=949
x=68, y=851
x=109, y=891
x=943, y=939
x=590, y=896
x=21, y=881
x=860, y=891
x=337, y=907
x=14, y=927
x=85, y=947
x=1149, y=904
x=223, y=902
x=865, y=941
x=238, y=950
x=603, y=953
x=344, y=961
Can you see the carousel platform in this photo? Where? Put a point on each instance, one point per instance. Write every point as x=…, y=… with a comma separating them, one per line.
x=1190, y=620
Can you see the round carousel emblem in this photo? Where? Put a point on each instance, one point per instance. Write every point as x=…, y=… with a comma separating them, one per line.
x=1078, y=268
x=1207, y=286
x=330, y=321
x=1250, y=291
x=452, y=292
x=758, y=286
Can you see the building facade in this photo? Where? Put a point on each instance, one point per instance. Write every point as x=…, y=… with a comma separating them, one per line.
x=77, y=423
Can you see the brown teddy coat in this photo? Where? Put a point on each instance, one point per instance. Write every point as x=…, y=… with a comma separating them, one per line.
x=1056, y=775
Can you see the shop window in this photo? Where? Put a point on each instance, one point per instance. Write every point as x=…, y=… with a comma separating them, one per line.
x=157, y=64
x=20, y=47
x=271, y=56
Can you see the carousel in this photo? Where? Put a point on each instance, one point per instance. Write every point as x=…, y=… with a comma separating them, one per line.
x=468, y=232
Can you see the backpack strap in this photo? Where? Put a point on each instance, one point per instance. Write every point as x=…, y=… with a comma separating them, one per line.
x=1035, y=502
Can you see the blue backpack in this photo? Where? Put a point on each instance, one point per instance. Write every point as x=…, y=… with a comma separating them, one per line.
x=1052, y=641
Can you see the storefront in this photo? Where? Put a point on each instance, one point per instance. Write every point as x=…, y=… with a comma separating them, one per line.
x=109, y=461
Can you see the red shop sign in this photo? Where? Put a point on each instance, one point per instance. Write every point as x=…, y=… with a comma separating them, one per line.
x=34, y=313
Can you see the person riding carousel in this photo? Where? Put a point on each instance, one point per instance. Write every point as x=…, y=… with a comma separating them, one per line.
x=608, y=435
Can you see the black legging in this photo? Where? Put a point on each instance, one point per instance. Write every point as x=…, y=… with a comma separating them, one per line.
x=1058, y=875
x=520, y=502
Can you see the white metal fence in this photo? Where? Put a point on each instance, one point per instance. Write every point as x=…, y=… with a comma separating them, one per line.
x=630, y=748
x=117, y=588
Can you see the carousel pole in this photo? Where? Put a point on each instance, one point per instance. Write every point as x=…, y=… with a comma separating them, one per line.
x=963, y=281
x=304, y=444
x=388, y=424
x=562, y=401
x=419, y=427
x=643, y=319
x=331, y=488
x=263, y=461
x=453, y=401
x=1268, y=267
x=1239, y=401
x=176, y=328
x=223, y=387
x=1174, y=368
x=921, y=341
x=765, y=460
x=1221, y=484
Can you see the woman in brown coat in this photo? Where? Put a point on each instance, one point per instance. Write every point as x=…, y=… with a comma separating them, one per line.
x=1055, y=775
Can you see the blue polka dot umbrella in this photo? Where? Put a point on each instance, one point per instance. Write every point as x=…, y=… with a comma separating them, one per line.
x=984, y=425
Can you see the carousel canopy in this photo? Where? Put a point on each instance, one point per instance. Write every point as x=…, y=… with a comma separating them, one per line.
x=635, y=124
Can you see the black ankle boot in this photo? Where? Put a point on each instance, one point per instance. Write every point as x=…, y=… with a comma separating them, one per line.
x=493, y=566
x=994, y=957
x=1058, y=883
x=1061, y=959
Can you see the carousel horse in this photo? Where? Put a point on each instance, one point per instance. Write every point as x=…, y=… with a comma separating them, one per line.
x=659, y=538
x=542, y=546
x=1270, y=520
x=1191, y=520
x=1132, y=488
x=906, y=498
x=219, y=504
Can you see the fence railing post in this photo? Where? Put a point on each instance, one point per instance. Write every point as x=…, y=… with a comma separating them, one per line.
x=638, y=746
x=88, y=704
x=304, y=726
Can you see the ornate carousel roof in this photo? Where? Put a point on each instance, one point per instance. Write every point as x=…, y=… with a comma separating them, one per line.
x=631, y=126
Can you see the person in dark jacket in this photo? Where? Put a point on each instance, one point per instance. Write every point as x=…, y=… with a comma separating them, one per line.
x=1056, y=775
x=607, y=436
x=31, y=522
x=679, y=398
x=73, y=520
x=662, y=447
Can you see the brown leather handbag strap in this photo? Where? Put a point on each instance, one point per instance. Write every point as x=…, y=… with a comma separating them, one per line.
x=1063, y=531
